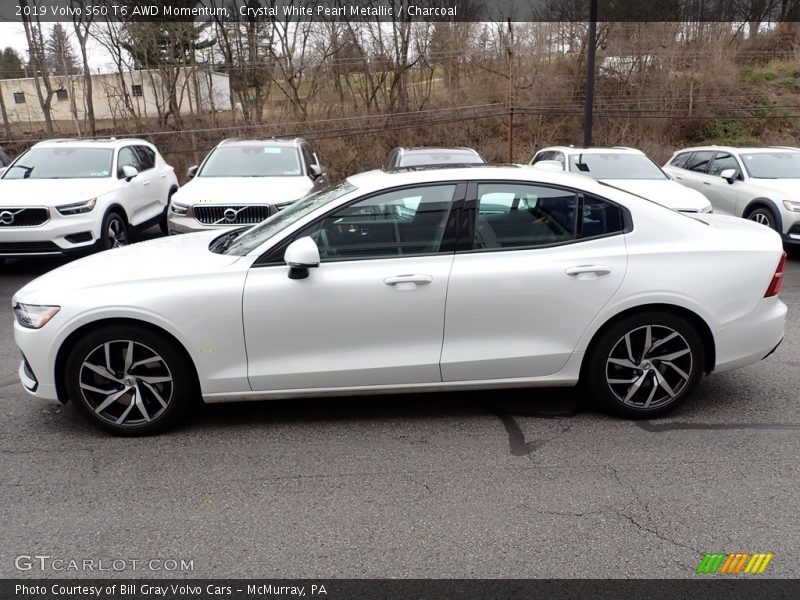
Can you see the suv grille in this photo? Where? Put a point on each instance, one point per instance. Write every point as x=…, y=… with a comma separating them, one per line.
x=231, y=215
x=23, y=217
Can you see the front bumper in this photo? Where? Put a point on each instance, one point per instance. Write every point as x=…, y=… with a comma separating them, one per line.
x=792, y=235
x=188, y=224
x=59, y=235
x=37, y=369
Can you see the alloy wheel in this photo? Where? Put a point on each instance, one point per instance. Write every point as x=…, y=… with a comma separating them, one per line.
x=760, y=218
x=117, y=233
x=126, y=383
x=649, y=367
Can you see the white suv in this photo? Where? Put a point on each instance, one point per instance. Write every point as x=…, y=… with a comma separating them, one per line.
x=242, y=182
x=70, y=195
x=626, y=168
x=760, y=184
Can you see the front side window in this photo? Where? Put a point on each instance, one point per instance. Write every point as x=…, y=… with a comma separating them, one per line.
x=127, y=158
x=722, y=161
x=147, y=158
x=252, y=160
x=399, y=223
x=772, y=165
x=699, y=161
x=308, y=157
x=62, y=163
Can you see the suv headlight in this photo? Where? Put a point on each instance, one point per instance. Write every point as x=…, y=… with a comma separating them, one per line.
x=178, y=208
x=34, y=316
x=77, y=208
x=792, y=205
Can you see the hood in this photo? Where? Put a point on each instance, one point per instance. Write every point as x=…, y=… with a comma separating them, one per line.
x=664, y=191
x=53, y=192
x=243, y=190
x=166, y=260
x=788, y=188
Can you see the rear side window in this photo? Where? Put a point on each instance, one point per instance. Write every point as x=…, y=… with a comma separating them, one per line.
x=521, y=215
x=699, y=162
x=681, y=160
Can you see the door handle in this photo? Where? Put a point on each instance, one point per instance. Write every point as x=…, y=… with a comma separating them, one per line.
x=588, y=271
x=163, y=176
x=407, y=281
x=706, y=183
x=145, y=182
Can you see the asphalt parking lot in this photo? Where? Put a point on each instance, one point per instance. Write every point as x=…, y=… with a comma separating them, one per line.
x=485, y=484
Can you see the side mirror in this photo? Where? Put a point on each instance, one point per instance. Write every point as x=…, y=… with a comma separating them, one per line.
x=730, y=174
x=192, y=171
x=315, y=171
x=549, y=165
x=301, y=255
x=129, y=172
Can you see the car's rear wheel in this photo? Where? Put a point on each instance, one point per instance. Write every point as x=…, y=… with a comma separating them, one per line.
x=129, y=381
x=114, y=231
x=763, y=216
x=645, y=365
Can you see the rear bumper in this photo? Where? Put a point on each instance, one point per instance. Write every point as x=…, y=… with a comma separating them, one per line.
x=752, y=337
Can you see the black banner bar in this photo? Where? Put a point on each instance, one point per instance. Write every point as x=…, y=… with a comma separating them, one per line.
x=706, y=587
x=499, y=11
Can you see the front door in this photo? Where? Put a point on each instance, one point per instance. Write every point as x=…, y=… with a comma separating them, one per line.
x=371, y=314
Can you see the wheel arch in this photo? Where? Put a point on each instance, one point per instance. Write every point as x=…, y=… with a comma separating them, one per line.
x=703, y=330
x=117, y=208
x=69, y=342
x=763, y=202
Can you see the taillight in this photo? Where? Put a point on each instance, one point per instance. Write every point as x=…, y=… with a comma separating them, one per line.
x=777, y=278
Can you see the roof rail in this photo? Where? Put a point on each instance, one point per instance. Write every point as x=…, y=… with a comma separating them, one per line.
x=785, y=147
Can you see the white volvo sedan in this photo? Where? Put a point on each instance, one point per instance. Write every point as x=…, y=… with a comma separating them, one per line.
x=421, y=280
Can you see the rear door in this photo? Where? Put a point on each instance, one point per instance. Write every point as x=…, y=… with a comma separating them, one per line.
x=695, y=173
x=158, y=188
x=538, y=265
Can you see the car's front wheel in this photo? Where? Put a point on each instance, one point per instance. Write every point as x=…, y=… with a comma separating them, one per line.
x=764, y=216
x=114, y=231
x=645, y=365
x=129, y=381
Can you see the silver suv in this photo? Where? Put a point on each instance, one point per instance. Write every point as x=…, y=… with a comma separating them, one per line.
x=760, y=184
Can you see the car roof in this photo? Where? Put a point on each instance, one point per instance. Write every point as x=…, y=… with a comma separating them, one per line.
x=592, y=150
x=379, y=179
x=749, y=149
x=270, y=142
x=423, y=149
x=111, y=142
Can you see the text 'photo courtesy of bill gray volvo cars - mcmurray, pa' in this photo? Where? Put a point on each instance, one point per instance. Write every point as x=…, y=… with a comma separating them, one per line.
x=403, y=280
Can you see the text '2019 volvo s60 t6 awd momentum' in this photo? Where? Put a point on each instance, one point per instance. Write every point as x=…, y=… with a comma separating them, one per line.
x=419, y=280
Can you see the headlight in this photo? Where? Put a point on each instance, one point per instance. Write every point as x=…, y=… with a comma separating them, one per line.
x=34, y=316
x=77, y=208
x=792, y=205
x=178, y=208
x=707, y=209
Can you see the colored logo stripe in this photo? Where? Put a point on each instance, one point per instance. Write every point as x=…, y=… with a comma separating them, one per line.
x=734, y=563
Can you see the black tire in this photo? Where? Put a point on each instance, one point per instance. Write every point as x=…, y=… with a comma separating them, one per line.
x=145, y=398
x=764, y=216
x=163, y=224
x=660, y=385
x=114, y=231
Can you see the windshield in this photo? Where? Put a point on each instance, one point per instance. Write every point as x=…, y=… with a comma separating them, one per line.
x=773, y=165
x=62, y=163
x=615, y=166
x=252, y=238
x=252, y=161
x=440, y=157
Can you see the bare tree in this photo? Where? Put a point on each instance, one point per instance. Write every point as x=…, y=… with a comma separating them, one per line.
x=81, y=23
x=38, y=61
